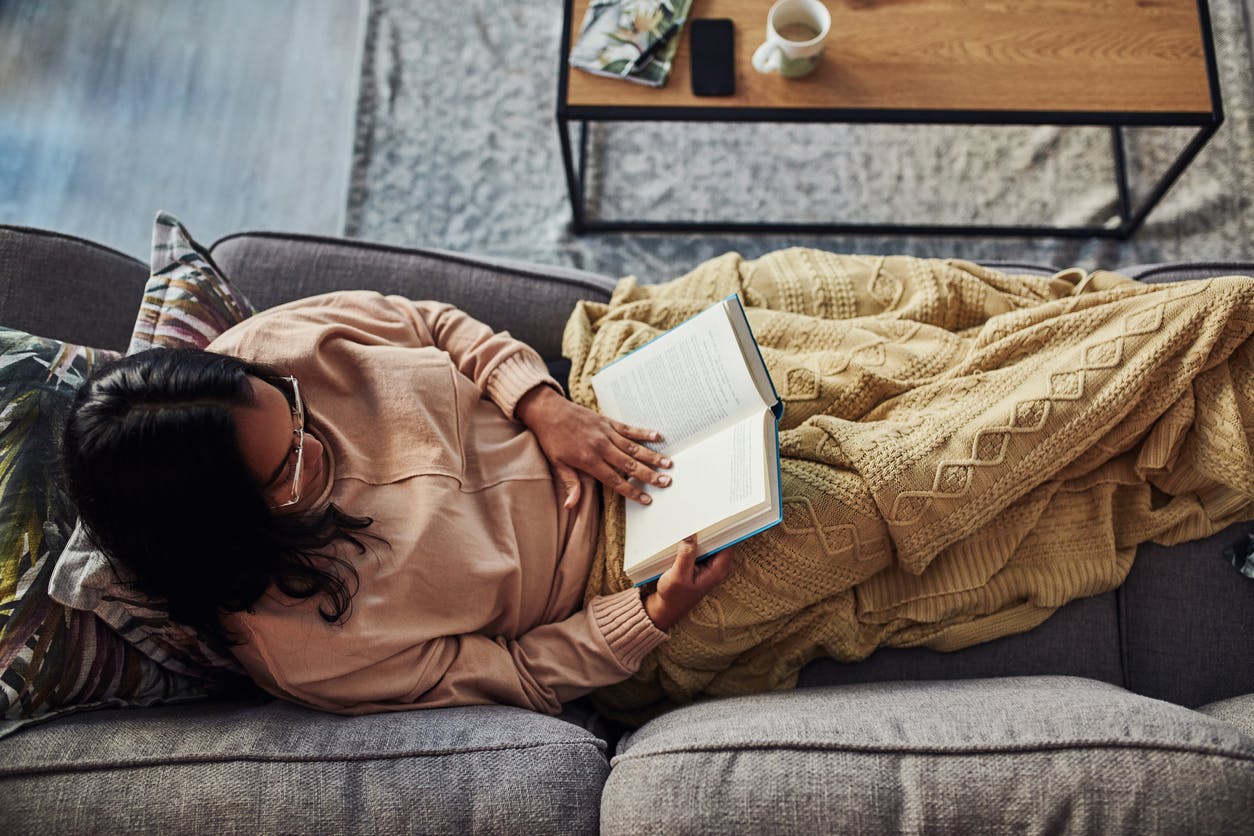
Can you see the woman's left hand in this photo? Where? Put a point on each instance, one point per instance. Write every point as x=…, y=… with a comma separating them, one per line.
x=574, y=437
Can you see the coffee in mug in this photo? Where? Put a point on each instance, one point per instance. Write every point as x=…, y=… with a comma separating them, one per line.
x=798, y=32
x=795, y=31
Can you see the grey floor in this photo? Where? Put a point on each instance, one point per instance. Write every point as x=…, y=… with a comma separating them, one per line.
x=232, y=114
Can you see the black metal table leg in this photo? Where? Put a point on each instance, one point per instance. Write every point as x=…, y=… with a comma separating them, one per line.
x=1121, y=179
x=574, y=182
x=1173, y=173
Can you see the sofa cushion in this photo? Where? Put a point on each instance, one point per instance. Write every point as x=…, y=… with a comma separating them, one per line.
x=187, y=301
x=530, y=301
x=271, y=767
x=52, y=659
x=1239, y=711
x=66, y=288
x=1013, y=755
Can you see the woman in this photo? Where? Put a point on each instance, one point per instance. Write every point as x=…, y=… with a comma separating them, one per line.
x=377, y=503
x=963, y=452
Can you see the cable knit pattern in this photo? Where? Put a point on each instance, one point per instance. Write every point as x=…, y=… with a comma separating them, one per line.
x=965, y=451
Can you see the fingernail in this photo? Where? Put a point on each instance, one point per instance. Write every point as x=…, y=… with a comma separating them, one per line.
x=664, y=480
x=646, y=499
x=666, y=462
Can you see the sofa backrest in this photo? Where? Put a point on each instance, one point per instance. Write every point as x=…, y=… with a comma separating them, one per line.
x=530, y=301
x=66, y=288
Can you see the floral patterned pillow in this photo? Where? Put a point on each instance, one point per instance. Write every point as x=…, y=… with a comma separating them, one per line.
x=86, y=580
x=187, y=303
x=53, y=659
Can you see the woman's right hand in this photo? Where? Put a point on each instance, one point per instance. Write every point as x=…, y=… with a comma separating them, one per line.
x=685, y=583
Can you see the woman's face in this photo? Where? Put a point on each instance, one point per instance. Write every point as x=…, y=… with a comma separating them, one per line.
x=268, y=444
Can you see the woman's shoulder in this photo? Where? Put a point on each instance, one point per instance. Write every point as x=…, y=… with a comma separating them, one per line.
x=299, y=321
x=323, y=304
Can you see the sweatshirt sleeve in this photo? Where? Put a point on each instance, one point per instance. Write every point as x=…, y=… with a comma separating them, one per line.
x=504, y=367
x=600, y=645
x=295, y=334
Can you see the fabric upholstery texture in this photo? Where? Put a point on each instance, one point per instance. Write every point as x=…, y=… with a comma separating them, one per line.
x=65, y=288
x=1006, y=755
x=1089, y=623
x=271, y=767
x=1239, y=711
x=1187, y=616
x=1186, y=271
x=52, y=659
x=531, y=301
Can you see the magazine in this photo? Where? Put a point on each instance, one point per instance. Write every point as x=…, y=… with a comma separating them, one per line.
x=634, y=40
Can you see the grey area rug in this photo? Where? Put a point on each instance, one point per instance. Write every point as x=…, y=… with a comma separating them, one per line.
x=457, y=147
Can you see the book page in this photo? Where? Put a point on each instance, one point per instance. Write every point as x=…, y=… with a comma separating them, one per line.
x=691, y=379
x=715, y=478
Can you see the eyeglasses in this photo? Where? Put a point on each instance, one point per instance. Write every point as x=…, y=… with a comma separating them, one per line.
x=298, y=430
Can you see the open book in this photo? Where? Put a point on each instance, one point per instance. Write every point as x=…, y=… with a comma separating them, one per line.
x=704, y=387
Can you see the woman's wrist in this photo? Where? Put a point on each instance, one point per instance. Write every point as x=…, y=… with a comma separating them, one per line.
x=534, y=400
x=658, y=612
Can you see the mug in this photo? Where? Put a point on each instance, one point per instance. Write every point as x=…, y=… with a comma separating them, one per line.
x=795, y=31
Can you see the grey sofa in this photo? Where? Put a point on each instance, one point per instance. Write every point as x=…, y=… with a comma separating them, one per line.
x=1127, y=712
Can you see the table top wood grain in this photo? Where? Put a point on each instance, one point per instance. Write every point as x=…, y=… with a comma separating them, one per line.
x=1040, y=56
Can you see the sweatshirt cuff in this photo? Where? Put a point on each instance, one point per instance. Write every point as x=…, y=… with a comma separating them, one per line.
x=626, y=626
x=514, y=377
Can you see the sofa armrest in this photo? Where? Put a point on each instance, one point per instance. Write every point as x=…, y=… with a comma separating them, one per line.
x=1181, y=271
x=531, y=301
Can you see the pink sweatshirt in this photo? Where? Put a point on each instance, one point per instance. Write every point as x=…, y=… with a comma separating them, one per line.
x=475, y=597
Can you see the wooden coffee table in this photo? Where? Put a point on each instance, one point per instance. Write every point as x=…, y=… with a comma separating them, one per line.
x=1118, y=63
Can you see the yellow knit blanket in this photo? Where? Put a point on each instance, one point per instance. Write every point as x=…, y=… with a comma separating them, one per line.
x=964, y=451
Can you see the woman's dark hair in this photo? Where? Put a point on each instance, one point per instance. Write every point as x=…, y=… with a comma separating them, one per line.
x=152, y=460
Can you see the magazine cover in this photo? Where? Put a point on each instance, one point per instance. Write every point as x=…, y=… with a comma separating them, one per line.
x=633, y=40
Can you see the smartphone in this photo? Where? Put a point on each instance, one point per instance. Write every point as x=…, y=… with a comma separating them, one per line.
x=713, y=67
